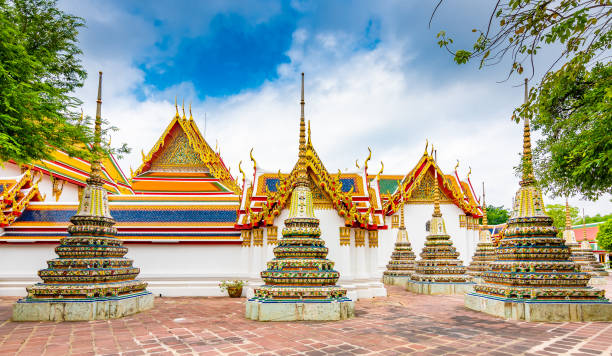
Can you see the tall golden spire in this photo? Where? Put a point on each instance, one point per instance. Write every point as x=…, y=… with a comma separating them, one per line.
x=184, y=116
x=436, y=212
x=309, y=142
x=302, y=177
x=527, y=164
x=484, y=207
x=568, y=220
x=95, y=163
x=402, y=226
x=176, y=107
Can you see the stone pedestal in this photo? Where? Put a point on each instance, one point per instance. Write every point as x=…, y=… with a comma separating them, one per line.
x=546, y=311
x=266, y=310
x=81, y=310
x=394, y=280
x=437, y=288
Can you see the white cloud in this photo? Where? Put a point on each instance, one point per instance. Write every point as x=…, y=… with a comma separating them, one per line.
x=355, y=99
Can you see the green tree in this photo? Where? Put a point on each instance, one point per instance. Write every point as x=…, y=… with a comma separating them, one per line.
x=596, y=218
x=39, y=69
x=557, y=213
x=497, y=215
x=571, y=104
x=604, y=235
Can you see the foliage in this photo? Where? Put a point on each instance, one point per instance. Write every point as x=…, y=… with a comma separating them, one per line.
x=604, y=235
x=497, y=215
x=39, y=68
x=574, y=114
x=596, y=218
x=557, y=213
x=571, y=104
x=224, y=285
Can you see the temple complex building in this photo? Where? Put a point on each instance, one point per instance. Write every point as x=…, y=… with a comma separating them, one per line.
x=182, y=206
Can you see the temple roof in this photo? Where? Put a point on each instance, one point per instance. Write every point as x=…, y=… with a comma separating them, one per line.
x=182, y=161
x=458, y=192
x=358, y=202
x=15, y=195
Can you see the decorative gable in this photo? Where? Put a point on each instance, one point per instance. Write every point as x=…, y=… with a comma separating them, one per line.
x=178, y=156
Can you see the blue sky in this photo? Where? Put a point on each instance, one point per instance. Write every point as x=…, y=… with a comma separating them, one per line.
x=375, y=77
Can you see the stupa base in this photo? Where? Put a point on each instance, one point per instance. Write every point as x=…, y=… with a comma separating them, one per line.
x=396, y=280
x=81, y=309
x=276, y=310
x=547, y=311
x=598, y=280
x=438, y=288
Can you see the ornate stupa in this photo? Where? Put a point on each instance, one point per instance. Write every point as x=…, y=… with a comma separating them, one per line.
x=485, y=251
x=533, y=277
x=401, y=265
x=582, y=253
x=439, y=271
x=300, y=282
x=91, y=279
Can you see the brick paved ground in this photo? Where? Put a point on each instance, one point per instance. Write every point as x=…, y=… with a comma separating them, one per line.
x=403, y=323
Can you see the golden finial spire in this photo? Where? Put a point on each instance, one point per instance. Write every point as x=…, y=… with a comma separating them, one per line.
x=426, y=144
x=568, y=220
x=302, y=177
x=402, y=226
x=95, y=163
x=309, y=143
x=357, y=163
x=456, y=166
x=190, y=114
x=436, y=212
x=484, y=207
x=176, y=106
x=527, y=168
x=184, y=116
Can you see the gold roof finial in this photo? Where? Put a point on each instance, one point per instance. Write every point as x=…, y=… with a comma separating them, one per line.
x=253, y=160
x=190, y=114
x=95, y=163
x=456, y=166
x=176, y=106
x=241, y=171
x=309, y=143
x=184, y=116
x=469, y=173
x=357, y=163
x=484, y=207
x=382, y=167
x=527, y=164
x=301, y=165
x=568, y=220
x=426, y=144
x=365, y=164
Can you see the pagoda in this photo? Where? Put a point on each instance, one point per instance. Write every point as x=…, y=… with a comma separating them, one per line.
x=533, y=277
x=439, y=271
x=485, y=251
x=402, y=263
x=300, y=282
x=91, y=279
x=582, y=253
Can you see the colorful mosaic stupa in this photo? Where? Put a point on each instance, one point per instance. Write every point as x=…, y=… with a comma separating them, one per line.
x=582, y=253
x=402, y=263
x=485, y=251
x=91, y=279
x=439, y=271
x=533, y=277
x=300, y=282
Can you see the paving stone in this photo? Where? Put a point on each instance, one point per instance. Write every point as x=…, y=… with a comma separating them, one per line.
x=402, y=323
